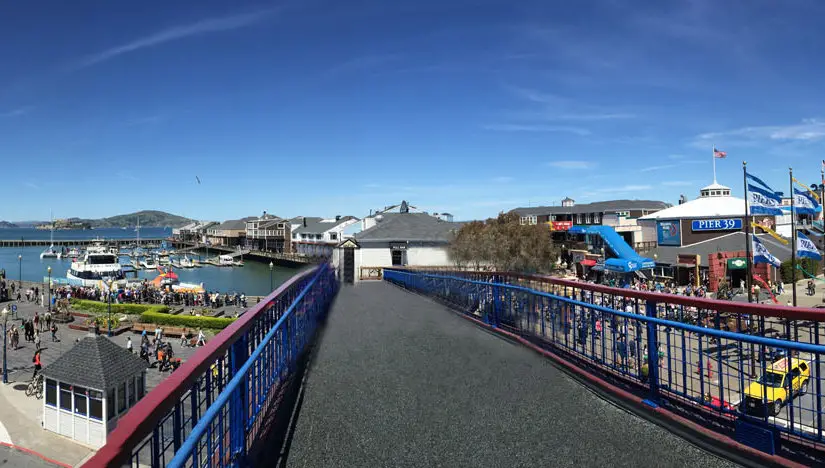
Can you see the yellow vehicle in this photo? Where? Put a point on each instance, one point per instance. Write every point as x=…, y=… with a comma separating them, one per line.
x=778, y=386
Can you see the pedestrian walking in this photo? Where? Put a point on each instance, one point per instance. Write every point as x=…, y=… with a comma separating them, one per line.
x=129, y=344
x=201, y=338
x=54, y=333
x=37, y=340
x=37, y=363
x=15, y=338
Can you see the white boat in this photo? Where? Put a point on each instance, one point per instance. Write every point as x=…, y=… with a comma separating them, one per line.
x=186, y=263
x=164, y=260
x=149, y=264
x=99, y=264
x=225, y=260
x=50, y=252
x=74, y=253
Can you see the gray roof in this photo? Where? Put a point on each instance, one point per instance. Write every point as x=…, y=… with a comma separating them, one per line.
x=728, y=243
x=300, y=219
x=416, y=227
x=317, y=226
x=232, y=225
x=609, y=206
x=95, y=362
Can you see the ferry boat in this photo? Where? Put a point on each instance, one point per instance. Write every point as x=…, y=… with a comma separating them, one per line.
x=98, y=264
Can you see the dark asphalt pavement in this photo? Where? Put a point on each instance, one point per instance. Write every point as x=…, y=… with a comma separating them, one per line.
x=398, y=380
x=10, y=457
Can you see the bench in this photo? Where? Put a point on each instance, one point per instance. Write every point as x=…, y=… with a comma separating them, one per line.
x=149, y=328
x=176, y=311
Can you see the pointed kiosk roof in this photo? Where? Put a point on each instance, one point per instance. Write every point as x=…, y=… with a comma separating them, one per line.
x=95, y=362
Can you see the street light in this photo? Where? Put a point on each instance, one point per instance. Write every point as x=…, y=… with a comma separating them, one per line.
x=19, y=272
x=50, y=288
x=109, y=320
x=271, y=266
x=5, y=337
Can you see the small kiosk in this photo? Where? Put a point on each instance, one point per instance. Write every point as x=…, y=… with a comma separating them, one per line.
x=89, y=388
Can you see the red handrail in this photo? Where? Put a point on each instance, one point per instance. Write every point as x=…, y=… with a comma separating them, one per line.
x=144, y=416
x=765, y=310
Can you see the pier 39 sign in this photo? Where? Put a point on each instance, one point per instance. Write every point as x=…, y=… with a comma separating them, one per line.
x=730, y=224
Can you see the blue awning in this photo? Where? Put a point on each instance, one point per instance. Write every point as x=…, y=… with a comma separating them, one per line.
x=577, y=230
x=624, y=265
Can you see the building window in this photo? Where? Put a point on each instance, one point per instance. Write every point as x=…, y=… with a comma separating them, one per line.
x=121, y=398
x=295, y=236
x=110, y=405
x=80, y=401
x=65, y=396
x=141, y=386
x=51, y=393
x=96, y=405
x=132, y=392
x=333, y=236
x=397, y=257
x=623, y=214
x=579, y=218
x=534, y=219
x=598, y=218
x=523, y=220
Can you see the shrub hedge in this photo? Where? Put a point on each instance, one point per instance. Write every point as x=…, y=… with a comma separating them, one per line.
x=189, y=321
x=103, y=307
x=787, y=270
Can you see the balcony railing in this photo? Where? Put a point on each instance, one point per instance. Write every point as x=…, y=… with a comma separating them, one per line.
x=210, y=411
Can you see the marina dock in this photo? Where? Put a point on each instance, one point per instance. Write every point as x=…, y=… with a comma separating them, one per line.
x=149, y=243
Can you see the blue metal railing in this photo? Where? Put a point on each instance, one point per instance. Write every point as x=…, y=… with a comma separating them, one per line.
x=695, y=367
x=210, y=411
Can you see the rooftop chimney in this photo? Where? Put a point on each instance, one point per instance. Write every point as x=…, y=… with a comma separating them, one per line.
x=337, y=217
x=304, y=220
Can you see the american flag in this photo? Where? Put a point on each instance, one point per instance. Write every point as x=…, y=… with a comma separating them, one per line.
x=719, y=154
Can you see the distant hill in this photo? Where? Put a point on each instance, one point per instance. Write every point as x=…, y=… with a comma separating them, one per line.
x=7, y=225
x=147, y=218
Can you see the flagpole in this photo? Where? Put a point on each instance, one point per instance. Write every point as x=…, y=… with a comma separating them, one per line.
x=793, y=239
x=713, y=156
x=822, y=211
x=747, y=228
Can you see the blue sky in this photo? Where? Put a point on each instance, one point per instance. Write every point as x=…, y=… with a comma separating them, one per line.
x=467, y=106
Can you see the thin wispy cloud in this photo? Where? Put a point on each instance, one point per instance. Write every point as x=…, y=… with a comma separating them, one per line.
x=205, y=26
x=657, y=168
x=31, y=185
x=150, y=120
x=679, y=183
x=624, y=189
x=18, y=112
x=506, y=127
x=359, y=64
x=806, y=131
x=571, y=164
x=555, y=107
x=502, y=179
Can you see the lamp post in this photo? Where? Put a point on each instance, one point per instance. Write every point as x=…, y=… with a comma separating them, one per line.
x=5, y=337
x=271, y=266
x=109, y=314
x=19, y=272
x=49, y=286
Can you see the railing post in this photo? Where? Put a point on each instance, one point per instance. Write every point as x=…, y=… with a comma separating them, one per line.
x=493, y=320
x=238, y=355
x=652, y=356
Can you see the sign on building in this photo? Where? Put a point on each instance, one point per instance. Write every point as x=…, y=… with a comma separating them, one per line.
x=669, y=233
x=730, y=224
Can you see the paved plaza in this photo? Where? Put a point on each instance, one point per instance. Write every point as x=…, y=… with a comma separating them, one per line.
x=20, y=416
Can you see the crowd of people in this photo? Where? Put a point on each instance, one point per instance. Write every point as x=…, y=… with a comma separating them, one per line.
x=146, y=293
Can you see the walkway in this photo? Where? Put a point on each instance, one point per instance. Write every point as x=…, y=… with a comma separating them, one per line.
x=398, y=380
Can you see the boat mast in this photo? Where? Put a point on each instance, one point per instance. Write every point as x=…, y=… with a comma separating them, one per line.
x=51, y=230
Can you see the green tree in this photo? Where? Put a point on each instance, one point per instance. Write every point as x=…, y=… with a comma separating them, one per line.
x=790, y=274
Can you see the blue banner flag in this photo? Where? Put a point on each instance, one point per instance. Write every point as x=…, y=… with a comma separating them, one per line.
x=763, y=202
x=805, y=248
x=758, y=181
x=761, y=254
x=804, y=203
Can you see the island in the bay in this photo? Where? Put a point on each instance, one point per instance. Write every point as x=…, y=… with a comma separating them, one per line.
x=7, y=225
x=148, y=218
